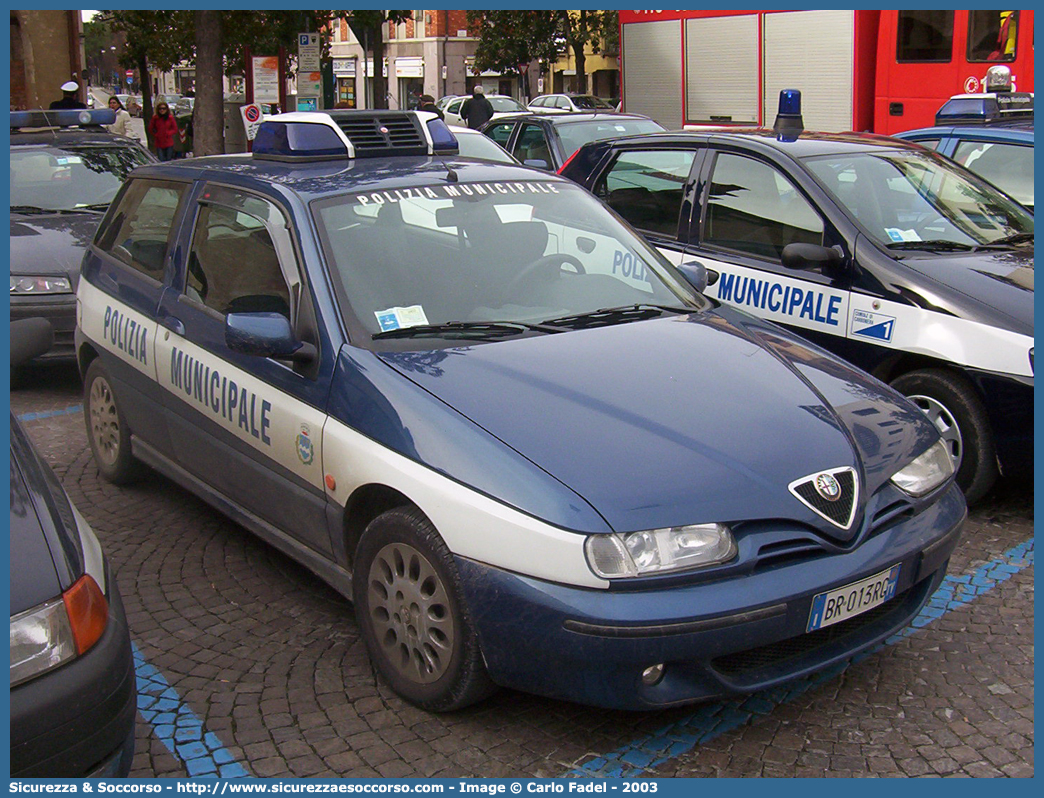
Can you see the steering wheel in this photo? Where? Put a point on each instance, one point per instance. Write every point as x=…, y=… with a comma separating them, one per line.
x=557, y=259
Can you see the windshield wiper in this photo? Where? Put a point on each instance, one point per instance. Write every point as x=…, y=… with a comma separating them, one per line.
x=625, y=313
x=37, y=209
x=95, y=206
x=1009, y=241
x=476, y=329
x=934, y=245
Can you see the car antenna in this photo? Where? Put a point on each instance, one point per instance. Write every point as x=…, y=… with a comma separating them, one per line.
x=451, y=174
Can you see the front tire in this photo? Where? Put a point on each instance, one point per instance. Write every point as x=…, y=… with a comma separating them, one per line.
x=411, y=614
x=107, y=430
x=954, y=408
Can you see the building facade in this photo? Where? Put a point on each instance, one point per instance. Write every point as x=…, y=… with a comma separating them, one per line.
x=46, y=51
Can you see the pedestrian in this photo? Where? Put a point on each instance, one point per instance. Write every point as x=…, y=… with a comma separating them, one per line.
x=123, y=118
x=476, y=110
x=70, y=98
x=164, y=129
x=427, y=103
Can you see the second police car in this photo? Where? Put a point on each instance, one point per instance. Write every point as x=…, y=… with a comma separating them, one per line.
x=889, y=255
x=429, y=380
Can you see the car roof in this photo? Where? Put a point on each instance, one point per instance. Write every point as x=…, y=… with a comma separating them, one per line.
x=69, y=136
x=311, y=180
x=1021, y=131
x=578, y=116
x=808, y=143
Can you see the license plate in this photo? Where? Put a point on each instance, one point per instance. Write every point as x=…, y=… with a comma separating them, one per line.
x=846, y=602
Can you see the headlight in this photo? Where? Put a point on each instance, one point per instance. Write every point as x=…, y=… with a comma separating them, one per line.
x=40, y=284
x=659, y=550
x=927, y=472
x=54, y=632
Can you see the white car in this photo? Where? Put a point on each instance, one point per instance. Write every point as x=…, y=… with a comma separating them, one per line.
x=569, y=103
x=502, y=107
x=474, y=144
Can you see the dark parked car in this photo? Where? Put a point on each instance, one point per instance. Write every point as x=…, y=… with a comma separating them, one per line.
x=547, y=141
x=73, y=694
x=65, y=170
x=893, y=257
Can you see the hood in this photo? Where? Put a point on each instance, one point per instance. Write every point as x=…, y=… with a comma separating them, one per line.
x=51, y=243
x=995, y=288
x=671, y=421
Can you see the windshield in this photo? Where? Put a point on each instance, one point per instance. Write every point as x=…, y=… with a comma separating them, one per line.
x=476, y=145
x=515, y=253
x=65, y=178
x=594, y=103
x=575, y=135
x=505, y=105
x=903, y=198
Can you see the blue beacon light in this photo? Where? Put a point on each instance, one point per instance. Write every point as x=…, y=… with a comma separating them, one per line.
x=789, y=124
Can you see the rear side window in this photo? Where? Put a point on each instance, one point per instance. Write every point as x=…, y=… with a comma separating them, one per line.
x=501, y=133
x=992, y=35
x=139, y=232
x=925, y=36
x=646, y=188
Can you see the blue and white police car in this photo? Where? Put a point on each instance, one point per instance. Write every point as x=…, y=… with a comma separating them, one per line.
x=484, y=409
x=891, y=256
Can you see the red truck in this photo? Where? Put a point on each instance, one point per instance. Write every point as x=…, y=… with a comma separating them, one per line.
x=882, y=71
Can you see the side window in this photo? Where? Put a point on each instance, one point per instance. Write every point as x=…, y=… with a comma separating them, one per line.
x=1007, y=166
x=924, y=36
x=931, y=144
x=753, y=208
x=140, y=230
x=501, y=133
x=454, y=107
x=992, y=35
x=539, y=102
x=646, y=188
x=234, y=265
x=563, y=103
x=532, y=145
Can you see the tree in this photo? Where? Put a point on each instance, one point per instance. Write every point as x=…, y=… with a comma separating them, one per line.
x=510, y=40
x=368, y=27
x=208, y=115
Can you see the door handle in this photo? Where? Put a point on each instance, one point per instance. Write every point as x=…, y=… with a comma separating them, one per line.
x=173, y=324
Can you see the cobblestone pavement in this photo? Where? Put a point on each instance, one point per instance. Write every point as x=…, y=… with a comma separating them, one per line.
x=260, y=668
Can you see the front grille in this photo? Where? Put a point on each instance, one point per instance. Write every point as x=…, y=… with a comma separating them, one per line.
x=803, y=646
x=381, y=133
x=838, y=511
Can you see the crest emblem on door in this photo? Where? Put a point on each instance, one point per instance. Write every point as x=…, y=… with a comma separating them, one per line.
x=305, y=450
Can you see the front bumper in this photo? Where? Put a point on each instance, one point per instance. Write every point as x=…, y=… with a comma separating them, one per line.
x=60, y=310
x=717, y=638
x=78, y=720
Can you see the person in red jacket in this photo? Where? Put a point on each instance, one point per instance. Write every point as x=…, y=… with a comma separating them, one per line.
x=164, y=129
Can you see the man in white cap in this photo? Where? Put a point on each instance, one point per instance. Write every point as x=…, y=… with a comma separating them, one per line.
x=70, y=98
x=477, y=110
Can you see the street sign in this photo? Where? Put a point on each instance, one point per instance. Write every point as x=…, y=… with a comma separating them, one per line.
x=266, y=79
x=130, y=79
x=309, y=76
x=252, y=119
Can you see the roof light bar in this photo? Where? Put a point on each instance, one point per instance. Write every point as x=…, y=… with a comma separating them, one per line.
x=311, y=135
x=982, y=108
x=64, y=118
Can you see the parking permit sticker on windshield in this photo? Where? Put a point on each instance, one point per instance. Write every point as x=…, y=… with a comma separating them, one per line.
x=897, y=235
x=396, y=318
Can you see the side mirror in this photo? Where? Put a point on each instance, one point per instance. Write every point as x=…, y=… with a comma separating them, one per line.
x=812, y=256
x=698, y=275
x=30, y=338
x=265, y=335
x=539, y=163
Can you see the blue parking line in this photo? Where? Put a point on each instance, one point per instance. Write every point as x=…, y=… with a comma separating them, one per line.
x=713, y=720
x=65, y=411
x=179, y=729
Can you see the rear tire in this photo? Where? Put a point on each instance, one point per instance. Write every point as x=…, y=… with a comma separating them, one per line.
x=107, y=430
x=954, y=408
x=412, y=616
